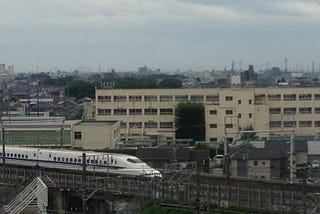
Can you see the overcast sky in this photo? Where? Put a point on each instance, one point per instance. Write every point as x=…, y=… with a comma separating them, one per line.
x=166, y=34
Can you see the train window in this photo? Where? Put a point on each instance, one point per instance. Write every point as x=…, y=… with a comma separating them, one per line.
x=22, y=155
x=115, y=162
x=111, y=160
x=54, y=158
x=62, y=159
x=96, y=161
x=11, y=155
x=67, y=159
x=70, y=160
x=75, y=160
x=91, y=161
x=105, y=162
x=88, y=161
x=79, y=160
x=134, y=160
x=15, y=155
x=34, y=154
x=18, y=155
x=58, y=158
x=26, y=156
x=8, y=155
x=49, y=155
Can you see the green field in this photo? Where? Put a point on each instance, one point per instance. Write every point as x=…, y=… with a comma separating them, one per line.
x=36, y=137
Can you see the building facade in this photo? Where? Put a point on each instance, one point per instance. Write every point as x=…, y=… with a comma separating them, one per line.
x=150, y=112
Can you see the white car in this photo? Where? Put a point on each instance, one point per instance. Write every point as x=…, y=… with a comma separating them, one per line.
x=314, y=164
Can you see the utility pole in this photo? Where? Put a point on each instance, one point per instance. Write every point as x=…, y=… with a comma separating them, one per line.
x=2, y=137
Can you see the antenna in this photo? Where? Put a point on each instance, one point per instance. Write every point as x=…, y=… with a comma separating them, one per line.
x=285, y=64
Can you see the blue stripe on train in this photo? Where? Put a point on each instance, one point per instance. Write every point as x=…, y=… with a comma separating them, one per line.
x=64, y=163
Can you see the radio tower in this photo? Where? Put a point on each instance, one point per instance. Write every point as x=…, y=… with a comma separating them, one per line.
x=285, y=65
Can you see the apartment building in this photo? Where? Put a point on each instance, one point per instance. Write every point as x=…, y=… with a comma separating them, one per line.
x=149, y=113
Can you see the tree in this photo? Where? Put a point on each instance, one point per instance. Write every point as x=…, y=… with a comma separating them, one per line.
x=80, y=89
x=170, y=82
x=251, y=134
x=190, y=121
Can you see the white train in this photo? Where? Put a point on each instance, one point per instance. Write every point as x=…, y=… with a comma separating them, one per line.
x=69, y=159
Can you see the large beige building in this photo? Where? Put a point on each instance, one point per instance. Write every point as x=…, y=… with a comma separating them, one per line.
x=150, y=112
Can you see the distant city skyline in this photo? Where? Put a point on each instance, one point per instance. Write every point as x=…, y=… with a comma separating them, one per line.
x=166, y=34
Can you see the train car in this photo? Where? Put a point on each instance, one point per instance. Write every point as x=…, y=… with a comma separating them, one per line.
x=112, y=163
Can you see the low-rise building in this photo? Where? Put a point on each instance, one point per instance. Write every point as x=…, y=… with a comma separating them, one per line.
x=95, y=135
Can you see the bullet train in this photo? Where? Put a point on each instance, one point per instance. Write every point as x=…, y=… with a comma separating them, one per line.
x=112, y=163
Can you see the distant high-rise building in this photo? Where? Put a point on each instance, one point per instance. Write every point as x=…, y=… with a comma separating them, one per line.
x=248, y=75
x=10, y=69
x=2, y=68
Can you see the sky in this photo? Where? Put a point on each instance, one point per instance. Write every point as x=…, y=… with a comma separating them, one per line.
x=200, y=35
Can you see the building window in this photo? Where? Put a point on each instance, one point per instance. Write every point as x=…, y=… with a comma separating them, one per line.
x=317, y=110
x=274, y=110
x=305, y=110
x=316, y=123
x=123, y=125
x=196, y=98
x=228, y=125
x=250, y=101
x=229, y=111
x=289, y=124
x=212, y=98
x=213, y=111
x=104, y=98
x=305, y=96
x=250, y=115
x=255, y=163
x=273, y=97
x=150, y=111
x=165, y=98
x=305, y=123
x=275, y=124
x=135, y=125
x=120, y=111
x=289, y=110
x=213, y=125
x=239, y=115
x=104, y=111
x=150, y=98
x=151, y=124
x=289, y=97
x=229, y=98
x=239, y=101
x=213, y=139
x=135, y=111
x=166, y=111
x=166, y=125
x=77, y=135
x=317, y=97
x=135, y=98
x=181, y=98
x=119, y=98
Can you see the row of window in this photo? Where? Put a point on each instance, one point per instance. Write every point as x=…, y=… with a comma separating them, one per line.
x=14, y=155
x=147, y=111
x=161, y=98
x=290, y=97
x=228, y=112
x=202, y=98
x=275, y=124
x=293, y=110
x=149, y=124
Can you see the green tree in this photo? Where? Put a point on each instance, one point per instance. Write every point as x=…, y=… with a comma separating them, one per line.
x=170, y=82
x=250, y=134
x=80, y=89
x=190, y=121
